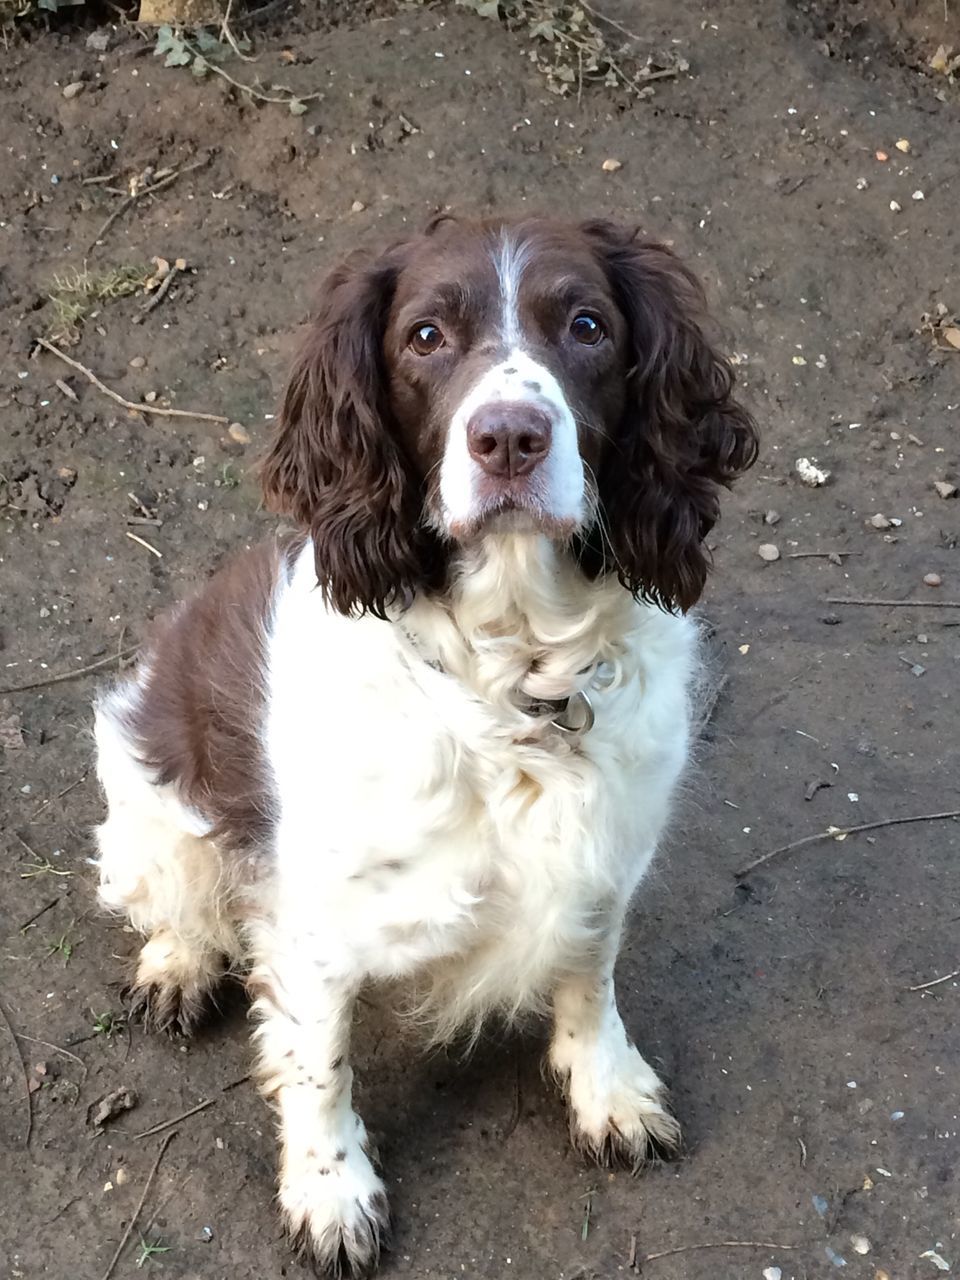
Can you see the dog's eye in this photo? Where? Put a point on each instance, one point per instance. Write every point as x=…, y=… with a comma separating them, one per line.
x=586, y=329
x=426, y=339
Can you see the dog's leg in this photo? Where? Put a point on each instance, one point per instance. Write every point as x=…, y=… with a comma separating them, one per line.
x=616, y=1100
x=332, y=1201
x=171, y=885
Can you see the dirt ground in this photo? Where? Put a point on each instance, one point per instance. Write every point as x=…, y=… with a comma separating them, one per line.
x=817, y=1087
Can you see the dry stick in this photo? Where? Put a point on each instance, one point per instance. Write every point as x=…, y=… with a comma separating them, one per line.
x=925, y=986
x=130, y=201
x=158, y=296
x=34, y=918
x=71, y=675
x=832, y=833
x=26, y=1076
x=127, y=404
x=134, y=537
x=894, y=604
x=130, y=1225
x=60, y=794
x=168, y=1124
x=248, y=88
x=819, y=555
x=718, y=1244
x=55, y=1047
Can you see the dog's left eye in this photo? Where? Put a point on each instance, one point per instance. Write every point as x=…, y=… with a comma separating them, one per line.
x=426, y=339
x=586, y=329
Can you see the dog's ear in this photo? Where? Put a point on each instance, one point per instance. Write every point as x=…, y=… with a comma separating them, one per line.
x=336, y=465
x=683, y=436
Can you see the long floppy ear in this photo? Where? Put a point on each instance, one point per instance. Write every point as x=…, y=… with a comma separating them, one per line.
x=336, y=464
x=683, y=436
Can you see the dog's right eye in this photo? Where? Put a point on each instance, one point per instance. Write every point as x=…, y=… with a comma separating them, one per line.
x=426, y=339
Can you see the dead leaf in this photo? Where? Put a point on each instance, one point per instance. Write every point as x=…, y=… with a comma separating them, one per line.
x=111, y=1105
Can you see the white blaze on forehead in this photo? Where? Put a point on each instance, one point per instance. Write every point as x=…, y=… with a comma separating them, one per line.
x=558, y=481
x=511, y=258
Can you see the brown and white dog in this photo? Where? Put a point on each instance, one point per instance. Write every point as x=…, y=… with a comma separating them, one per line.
x=436, y=735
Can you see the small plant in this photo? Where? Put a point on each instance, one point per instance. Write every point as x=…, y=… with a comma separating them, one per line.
x=107, y=1024
x=572, y=46
x=148, y=1251
x=229, y=476
x=64, y=946
x=77, y=294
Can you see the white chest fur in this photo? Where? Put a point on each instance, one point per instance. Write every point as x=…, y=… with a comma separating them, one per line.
x=420, y=818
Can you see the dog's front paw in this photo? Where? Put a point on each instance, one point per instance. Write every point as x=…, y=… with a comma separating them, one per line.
x=618, y=1113
x=172, y=990
x=335, y=1209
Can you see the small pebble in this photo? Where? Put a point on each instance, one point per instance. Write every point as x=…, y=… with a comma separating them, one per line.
x=357, y=207
x=860, y=1244
x=918, y=195
x=150, y=397
x=121, y=1176
x=895, y=206
x=772, y=517
x=945, y=488
x=837, y=1259
x=138, y=362
x=71, y=90
x=882, y=156
x=236, y=432
x=821, y=1204
x=902, y=144
x=932, y=579
x=611, y=165
x=896, y=1115
x=772, y=1273
x=880, y=521
x=768, y=551
x=99, y=41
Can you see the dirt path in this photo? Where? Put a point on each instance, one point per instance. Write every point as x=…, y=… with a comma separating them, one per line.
x=818, y=1093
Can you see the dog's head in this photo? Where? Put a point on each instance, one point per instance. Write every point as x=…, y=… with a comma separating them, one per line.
x=527, y=376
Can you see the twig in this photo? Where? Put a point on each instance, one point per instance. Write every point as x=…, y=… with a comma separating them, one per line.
x=159, y=294
x=131, y=200
x=168, y=1124
x=234, y=1083
x=894, y=604
x=925, y=986
x=26, y=1076
x=227, y=34
x=135, y=537
x=71, y=675
x=60, y=794
x=803, y=1153
x=127, y=404
x=632, y=1253
x=718, y=1244
x=152, y=521
x=248, y=88
x=37, y=914
x=56, y=1049
x=819, y=555
x=834, y=833
x=130, y=1225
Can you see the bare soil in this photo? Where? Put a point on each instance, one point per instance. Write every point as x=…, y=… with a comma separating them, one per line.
x=817, y=1092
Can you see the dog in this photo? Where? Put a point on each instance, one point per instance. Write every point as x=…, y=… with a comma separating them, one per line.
x=433, y=734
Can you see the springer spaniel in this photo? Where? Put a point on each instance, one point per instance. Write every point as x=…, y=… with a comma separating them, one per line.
x=435, y=735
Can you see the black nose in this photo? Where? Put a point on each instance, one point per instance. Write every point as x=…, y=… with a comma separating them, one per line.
x=508, y=439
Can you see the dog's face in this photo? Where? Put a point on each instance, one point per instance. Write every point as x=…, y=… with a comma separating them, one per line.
x=533, y=376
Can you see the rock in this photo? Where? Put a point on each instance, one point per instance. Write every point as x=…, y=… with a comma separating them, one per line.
x=72, y=90
x=150, y=397
x=768, y=551
x=932, y=579
x=945, y=488
x=895, y=206
x=98, y=41
x=880, y=521
x=357, y=207
x=860, y=1244
x=611, y=165
x=810, y=472
x=902, y=144
x=771, y=517
x=138, y=362
x=236, y=432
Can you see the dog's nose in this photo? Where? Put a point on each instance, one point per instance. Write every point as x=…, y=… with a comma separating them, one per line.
x=508, y=439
